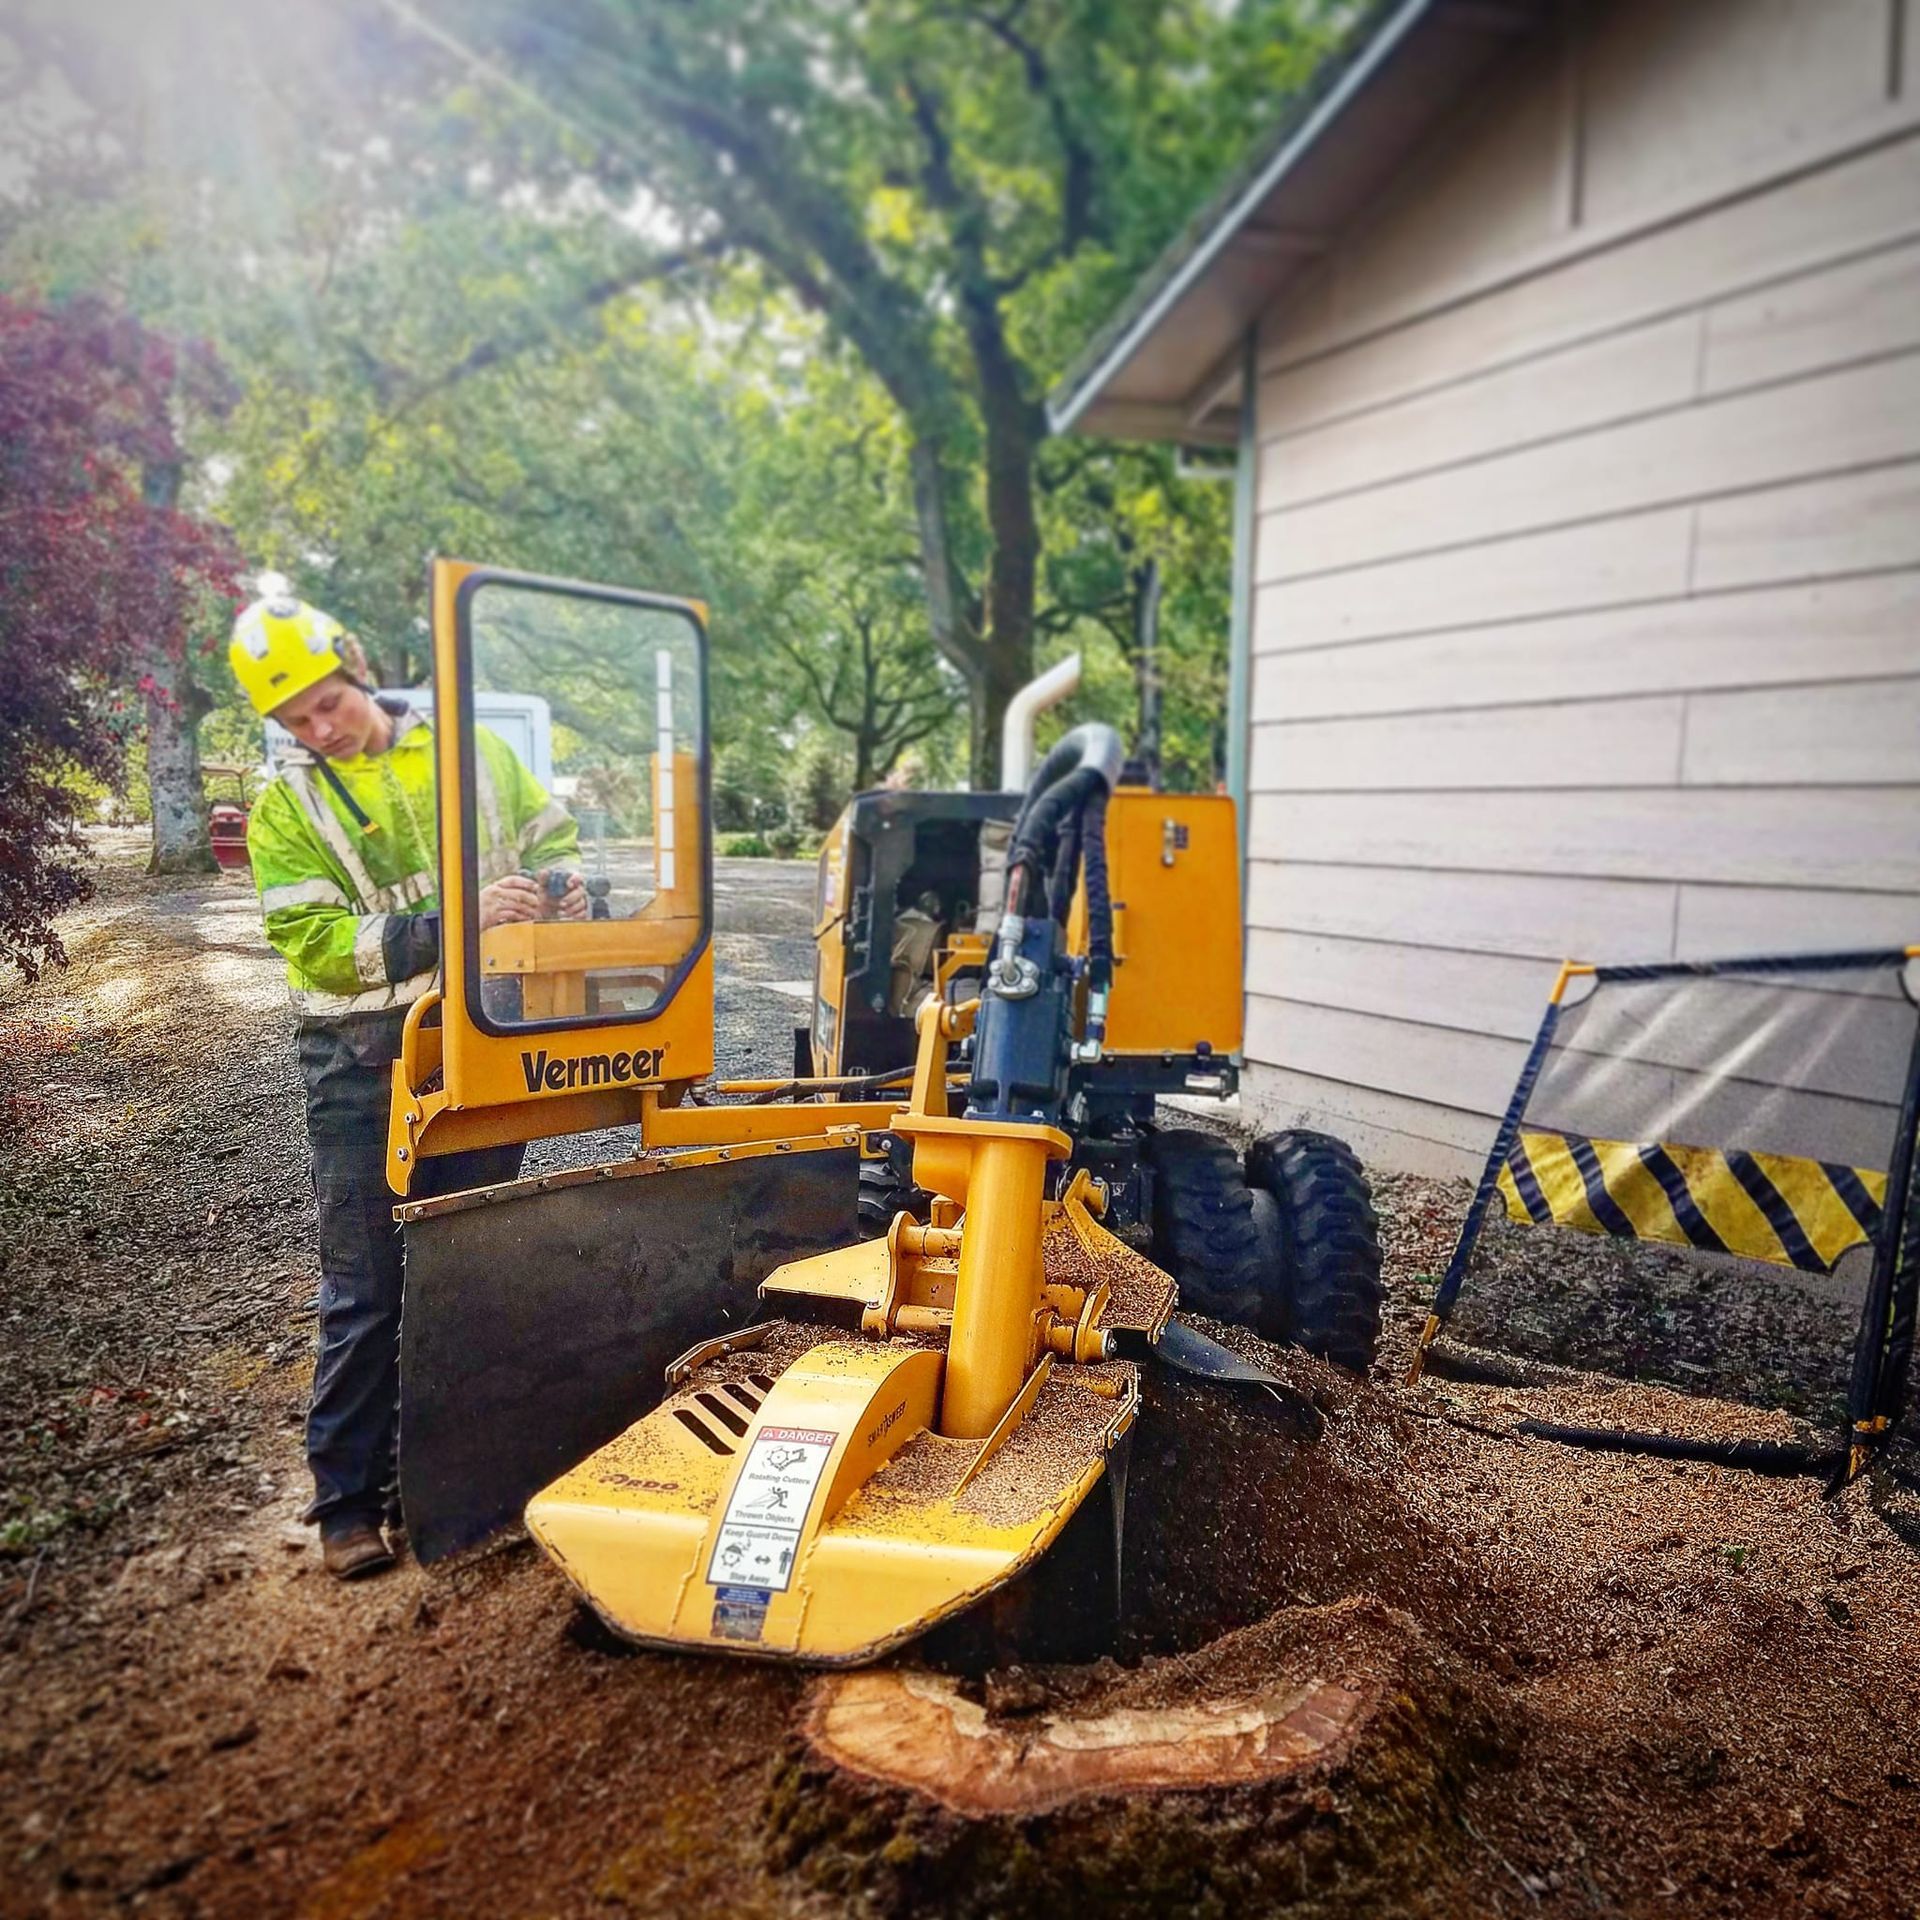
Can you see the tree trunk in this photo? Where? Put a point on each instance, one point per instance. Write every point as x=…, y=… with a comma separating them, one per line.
x=175, y=708
x=997, y=661
x=952, y=619
x=1307, y=1689
x=866, y=733
x=1014, y=430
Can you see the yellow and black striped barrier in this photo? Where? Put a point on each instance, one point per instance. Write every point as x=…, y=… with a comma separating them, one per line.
x=1763, y=1206
x=1788, y=1210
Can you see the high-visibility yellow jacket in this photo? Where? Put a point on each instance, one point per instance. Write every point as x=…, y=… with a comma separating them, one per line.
x=356, y=914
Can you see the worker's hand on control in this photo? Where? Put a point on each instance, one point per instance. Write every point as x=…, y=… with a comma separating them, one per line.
x=514, y=898
x=572, y=905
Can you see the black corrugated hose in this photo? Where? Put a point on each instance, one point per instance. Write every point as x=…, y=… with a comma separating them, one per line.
x=1093, y=837
x=1042, y=821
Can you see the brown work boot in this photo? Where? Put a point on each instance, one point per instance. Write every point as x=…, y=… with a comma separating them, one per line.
x=353, y=1549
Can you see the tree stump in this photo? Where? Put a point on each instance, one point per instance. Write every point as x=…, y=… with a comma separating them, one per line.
x=1304, y=1761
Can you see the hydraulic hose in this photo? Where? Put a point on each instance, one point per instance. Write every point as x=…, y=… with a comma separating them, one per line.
x=1066, y=861
x=1065, y=754
x=1091, y=831
x=1093, y=840
x=1079, y=771
x=1060, y=804
x=1084, y=761
x=1088, y=745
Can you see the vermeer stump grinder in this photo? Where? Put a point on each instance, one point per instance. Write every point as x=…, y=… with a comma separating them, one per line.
x=926, y=1410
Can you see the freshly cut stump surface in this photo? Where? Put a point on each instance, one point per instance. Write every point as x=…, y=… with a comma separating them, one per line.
x=1313, y=1759
x=919, y=1731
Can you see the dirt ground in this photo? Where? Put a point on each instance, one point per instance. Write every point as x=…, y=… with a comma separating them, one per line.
x=1708, y=1683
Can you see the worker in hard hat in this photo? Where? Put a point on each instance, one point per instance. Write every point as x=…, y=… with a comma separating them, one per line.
x=344, y=849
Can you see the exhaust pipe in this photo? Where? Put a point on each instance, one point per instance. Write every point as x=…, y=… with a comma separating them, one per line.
x=1026, y=706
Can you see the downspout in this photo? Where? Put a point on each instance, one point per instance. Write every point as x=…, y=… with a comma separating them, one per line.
x=1246, y=483
x=1026, y=706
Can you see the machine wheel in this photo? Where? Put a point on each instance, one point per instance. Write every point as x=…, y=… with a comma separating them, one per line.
x=1204, y=1232
x=884, y=1191
x=1327, y=1252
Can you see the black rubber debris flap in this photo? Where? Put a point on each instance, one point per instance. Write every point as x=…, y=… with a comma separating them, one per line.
x=540, y=1316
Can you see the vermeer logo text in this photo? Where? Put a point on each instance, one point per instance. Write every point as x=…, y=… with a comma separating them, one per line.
x=590, y=1070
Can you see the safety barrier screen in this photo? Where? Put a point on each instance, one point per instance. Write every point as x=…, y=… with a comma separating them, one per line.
x=1747, y=1111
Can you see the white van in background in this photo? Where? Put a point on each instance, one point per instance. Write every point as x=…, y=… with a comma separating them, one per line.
x=522, y=720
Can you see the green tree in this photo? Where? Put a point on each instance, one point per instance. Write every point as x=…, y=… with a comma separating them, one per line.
x=1134, y=548
x=750, y=301
x=820, y=786
x=120, y=178
x=960, y=191
x=826, y=498
x=748, y=793
x=864, y=659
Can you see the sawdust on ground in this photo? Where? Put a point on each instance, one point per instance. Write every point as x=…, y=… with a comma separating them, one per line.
x=1717, y=1676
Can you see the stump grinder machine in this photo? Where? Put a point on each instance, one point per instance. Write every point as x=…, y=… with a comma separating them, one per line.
x=730, y=1419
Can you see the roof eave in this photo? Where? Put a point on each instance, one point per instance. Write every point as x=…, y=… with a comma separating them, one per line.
x=1206, y=408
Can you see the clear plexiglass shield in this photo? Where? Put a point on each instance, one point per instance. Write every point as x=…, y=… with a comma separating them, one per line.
x=615, y=907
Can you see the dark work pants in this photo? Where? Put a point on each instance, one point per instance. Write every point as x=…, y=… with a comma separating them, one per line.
x=356, y=1382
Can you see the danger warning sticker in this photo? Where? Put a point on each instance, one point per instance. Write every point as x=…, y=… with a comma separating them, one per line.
x=760, y=1530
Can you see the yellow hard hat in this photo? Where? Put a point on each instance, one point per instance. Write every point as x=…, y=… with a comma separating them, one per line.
x=281, y=646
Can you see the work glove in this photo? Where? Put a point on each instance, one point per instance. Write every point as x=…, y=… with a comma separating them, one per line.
x=411, y=944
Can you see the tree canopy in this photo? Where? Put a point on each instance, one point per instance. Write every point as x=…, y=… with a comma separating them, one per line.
x=960, y=190
x=753, y=300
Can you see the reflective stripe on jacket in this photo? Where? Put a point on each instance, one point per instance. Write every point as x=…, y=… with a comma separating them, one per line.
x=331, y=893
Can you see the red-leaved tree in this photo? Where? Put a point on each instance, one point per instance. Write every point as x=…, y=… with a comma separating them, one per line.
x=101, y=577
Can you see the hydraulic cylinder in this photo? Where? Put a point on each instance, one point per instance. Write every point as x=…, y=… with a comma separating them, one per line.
x=997, y=1290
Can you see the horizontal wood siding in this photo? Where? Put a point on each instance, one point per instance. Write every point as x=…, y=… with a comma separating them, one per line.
x=1385, y=1129
x=1427, y=986
x=1538, y=916
x=1850, y=837
x=1811, y=530
x=1852, y=311
x=1587, y=564
x=1353, y=359
x=1861, y=416
x=1702, y=643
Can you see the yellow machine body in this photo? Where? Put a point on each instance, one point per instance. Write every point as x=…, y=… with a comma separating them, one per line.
x=675, y=1544
x=538, y=1313
x=1173, y=864
x=829, y=948
x=941, y=1401
x=827, y=1498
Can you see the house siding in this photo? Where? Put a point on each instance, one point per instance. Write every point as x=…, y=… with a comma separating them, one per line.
x=1586, y=563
